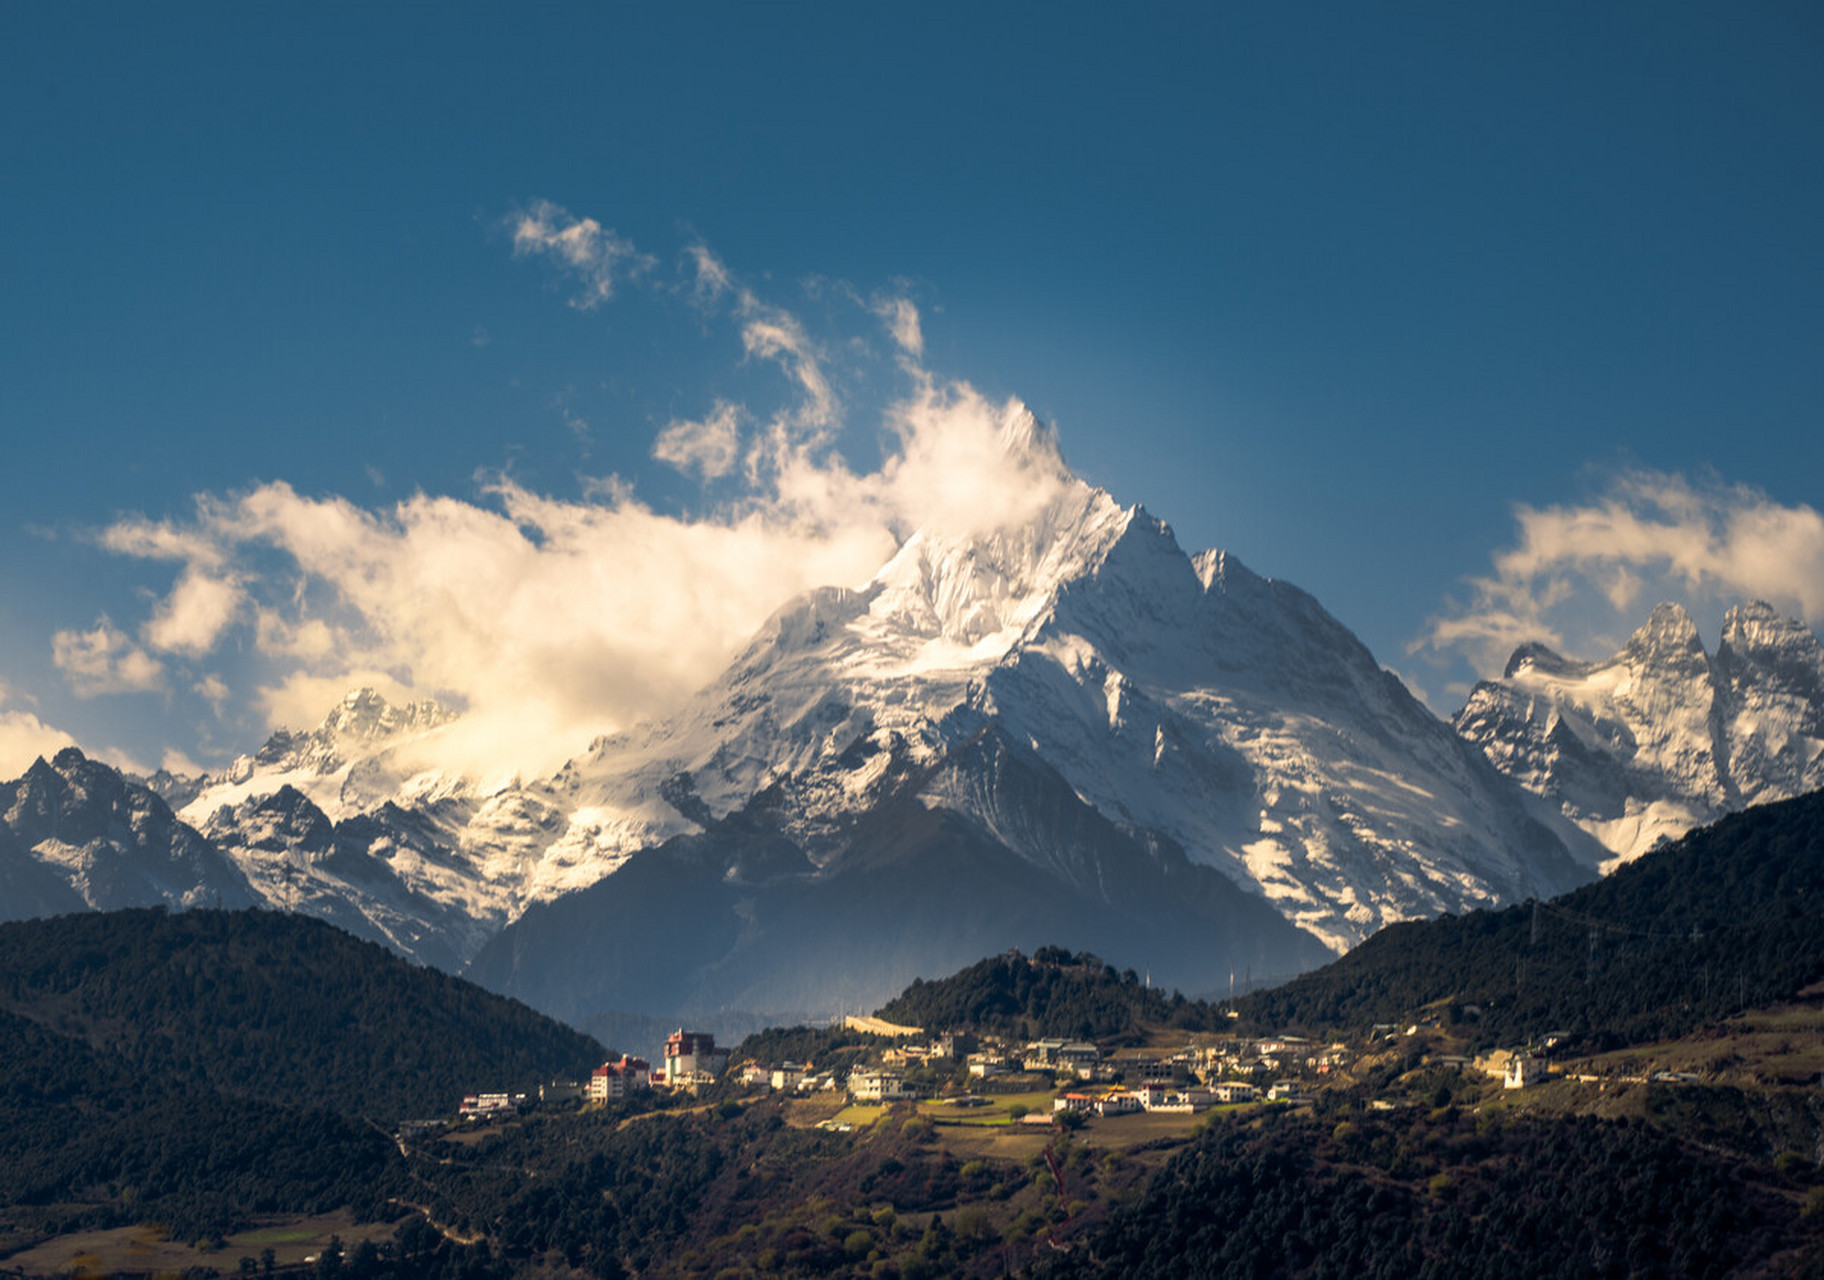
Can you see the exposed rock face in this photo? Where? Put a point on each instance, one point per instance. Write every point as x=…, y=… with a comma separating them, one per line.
x=78, y=834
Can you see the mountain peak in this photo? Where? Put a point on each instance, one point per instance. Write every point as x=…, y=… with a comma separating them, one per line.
x=1023, y=436
x=1662, y=736
x=1668, y=635
x=1757, y=627
x=363, y=714
x=1543, y=659
x=968, y=588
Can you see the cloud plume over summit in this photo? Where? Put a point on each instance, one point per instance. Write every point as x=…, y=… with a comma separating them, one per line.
x=549, y=620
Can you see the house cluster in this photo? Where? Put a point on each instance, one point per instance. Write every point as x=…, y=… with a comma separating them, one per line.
x=613, y=1081
x=787, y=1077
x=1167, y=1100
x=691, y=1060
x=1269, y=1056
x=1192, y=1079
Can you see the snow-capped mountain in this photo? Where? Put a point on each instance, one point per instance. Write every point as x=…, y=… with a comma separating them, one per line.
x=343, y=822
x=1182, y=696
x=1093, y=725
x=356, y=759
x=74, y=834
x=1663, y=736
x=741, y=920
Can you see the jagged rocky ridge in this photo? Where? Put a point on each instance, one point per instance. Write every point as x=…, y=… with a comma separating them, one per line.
x=1663, y=736
x=75, y=835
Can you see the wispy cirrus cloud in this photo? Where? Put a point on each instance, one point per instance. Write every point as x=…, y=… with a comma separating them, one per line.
x=900, y=316
x=708, y=447
x=1580, y=576
x=593, y=257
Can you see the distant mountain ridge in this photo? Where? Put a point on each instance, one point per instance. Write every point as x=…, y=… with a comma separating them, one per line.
x=1663, y=736
x=76, y=835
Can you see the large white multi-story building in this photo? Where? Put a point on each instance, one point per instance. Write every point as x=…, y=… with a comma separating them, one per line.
x=691, y=1057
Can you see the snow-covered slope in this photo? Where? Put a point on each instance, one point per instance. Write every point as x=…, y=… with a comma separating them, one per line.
x=351, y=762
x=1186, y=697
x=1663, y=736
x=342, y=822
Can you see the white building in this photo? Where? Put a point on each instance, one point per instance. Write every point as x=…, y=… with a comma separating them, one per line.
x=692, y=1056
x=606, y=1084
x=1523, y=1071
x=870, y=1084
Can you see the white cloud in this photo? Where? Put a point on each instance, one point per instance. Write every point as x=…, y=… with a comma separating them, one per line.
x=772, y=333
x=24, y=737
x=708, y=448
x=179, y=762
x=104, y=660
x=593, y=256
x=1579, y=576
x=553, y=621
x=189, y=620
x=214, y=690
x=712, y=278
x=901, y=318
x=550, y=621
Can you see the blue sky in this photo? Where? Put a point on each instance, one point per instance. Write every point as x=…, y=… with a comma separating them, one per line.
x=1370, y=298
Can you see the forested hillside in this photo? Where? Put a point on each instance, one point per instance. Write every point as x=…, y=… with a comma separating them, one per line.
x=279, y=1007
x=81, y=1130
x=1729, y=917
x=1444, y=1197
x=1053, y=992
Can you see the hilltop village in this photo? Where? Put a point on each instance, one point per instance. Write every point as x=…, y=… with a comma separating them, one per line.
x=870, y=1062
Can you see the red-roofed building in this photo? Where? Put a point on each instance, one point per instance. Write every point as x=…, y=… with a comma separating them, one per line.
x=612, y=1081
x=606, y=1084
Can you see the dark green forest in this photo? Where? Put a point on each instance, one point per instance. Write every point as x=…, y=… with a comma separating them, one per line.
x=200, y=1068
x=1053, y=992
x=82, y=1129
x=1728, y=918
x=1445, y=1197
x=279, y=1007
